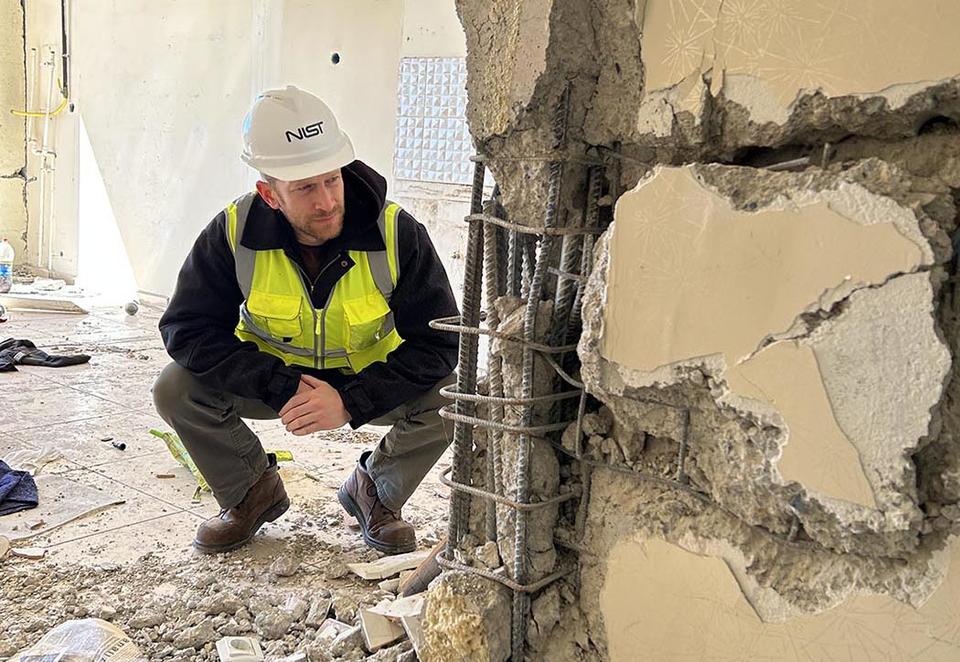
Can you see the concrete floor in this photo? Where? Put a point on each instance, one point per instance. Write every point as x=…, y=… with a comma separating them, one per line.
x=65, y=412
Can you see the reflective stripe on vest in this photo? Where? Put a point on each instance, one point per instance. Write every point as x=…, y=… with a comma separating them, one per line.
x=354, y=328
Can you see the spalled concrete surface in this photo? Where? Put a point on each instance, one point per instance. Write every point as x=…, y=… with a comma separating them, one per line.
x=466, y=618
x=766, y=54
x=674, y=575
x=782, y=311
x=784, y=338
x=13, y=215
x=676, y=604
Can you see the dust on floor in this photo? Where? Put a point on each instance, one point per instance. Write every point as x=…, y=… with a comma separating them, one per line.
x=132, y=563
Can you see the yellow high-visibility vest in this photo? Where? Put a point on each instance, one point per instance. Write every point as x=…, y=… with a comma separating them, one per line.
x=354, y=329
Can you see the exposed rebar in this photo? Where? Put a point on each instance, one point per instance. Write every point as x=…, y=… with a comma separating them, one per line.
x=494, y=374
x=467, y=372
x=521, y=601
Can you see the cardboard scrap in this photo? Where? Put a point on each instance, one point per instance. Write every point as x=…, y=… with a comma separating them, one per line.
x=4, y=546
x=388, y=566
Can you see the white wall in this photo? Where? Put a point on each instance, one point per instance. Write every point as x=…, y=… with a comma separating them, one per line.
x=431, y=28
x=162, y=87
x=13, y=217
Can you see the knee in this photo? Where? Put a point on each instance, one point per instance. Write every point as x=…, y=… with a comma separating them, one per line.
x=170, y=389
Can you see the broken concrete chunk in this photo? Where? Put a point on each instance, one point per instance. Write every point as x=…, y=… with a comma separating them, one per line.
x=285, y=566
x=391, y=585
x=331, y=628
x=378, y=630
x=273, y=623
x=220, y=603
x=33, y=553
x=195, y=636
x=388, y=566
x=413, y=626
x=466, y=617
x=347, y=642
x=488, y=554
x=397, y=609
x=317, y=614
x=146, y=618
x=784, y=390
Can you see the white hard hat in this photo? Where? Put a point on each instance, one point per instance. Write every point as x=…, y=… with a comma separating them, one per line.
x=291, y=134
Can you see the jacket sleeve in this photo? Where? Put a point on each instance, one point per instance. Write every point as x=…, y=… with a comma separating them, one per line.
x=198, y=326
x=426, y=356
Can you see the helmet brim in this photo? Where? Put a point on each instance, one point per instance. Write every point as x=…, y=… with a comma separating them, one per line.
x=344, y=155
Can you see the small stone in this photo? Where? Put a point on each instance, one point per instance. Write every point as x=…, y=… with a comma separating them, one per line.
x=145, y=618
x=285, y=566
x=196, y=636
x=220, y=603
x=106, y=612
x=488, y=554
x=336, y=570
x=296, y=606
x=273, y=623
x=318, y=612
x=348, y=642
x=951, y=512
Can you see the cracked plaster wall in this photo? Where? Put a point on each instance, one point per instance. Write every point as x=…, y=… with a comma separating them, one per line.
x=806, y=320
x=13, y=214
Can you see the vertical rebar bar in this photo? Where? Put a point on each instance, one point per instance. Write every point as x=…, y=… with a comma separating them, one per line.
x=494, y=372
x=521, y=601
x=467, y=371
x=514, y=263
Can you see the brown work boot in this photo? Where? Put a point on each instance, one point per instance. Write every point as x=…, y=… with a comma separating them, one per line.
x=265, y=501
x=382, y=528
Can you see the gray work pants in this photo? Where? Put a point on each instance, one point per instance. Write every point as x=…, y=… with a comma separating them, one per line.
x=230, y=457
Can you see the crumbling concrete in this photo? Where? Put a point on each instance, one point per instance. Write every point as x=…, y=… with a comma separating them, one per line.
x=466, y=618
x=771, y=351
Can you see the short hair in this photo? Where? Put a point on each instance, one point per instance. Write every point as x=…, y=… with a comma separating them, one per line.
x=272, y=181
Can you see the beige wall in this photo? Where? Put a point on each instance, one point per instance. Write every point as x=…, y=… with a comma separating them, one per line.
x=13, y=217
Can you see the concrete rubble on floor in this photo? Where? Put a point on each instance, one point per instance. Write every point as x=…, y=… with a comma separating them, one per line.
x=132, y=564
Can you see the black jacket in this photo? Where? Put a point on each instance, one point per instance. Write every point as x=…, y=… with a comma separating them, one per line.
x=198, y=325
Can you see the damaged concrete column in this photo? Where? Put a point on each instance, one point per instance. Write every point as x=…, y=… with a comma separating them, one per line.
x=768, y=330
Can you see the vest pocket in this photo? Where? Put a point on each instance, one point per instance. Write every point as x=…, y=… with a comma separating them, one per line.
x=364, y=318
x=277, y=314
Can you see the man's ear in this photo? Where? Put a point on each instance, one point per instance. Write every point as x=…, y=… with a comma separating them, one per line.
x=267, y=193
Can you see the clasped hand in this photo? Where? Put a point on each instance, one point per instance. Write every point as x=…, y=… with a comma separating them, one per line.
x=315, y=406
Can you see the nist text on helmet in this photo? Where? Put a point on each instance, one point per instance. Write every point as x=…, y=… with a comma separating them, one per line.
x=308, y=131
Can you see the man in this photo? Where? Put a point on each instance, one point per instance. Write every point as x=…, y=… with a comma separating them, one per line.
x=308, y=300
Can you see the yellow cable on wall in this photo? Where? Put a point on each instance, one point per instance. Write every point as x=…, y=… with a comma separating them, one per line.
x=29, y=113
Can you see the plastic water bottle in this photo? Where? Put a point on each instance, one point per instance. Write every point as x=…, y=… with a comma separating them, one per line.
x=6, y=266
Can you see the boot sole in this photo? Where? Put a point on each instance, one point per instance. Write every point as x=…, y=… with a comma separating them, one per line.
x=271, y=514
x=354, y=511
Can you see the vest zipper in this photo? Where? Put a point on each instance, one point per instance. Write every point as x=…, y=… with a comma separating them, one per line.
x=319, y=359
x=308, y=290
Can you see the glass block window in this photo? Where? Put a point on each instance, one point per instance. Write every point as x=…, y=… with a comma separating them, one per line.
x=433, y=142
